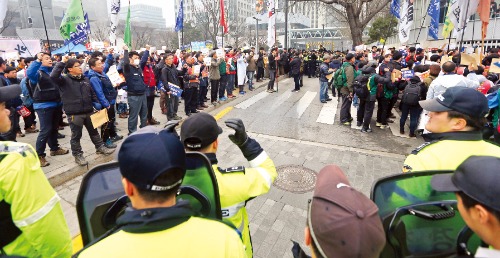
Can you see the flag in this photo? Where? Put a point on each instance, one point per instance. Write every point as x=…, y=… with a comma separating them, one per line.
x=456, y=18
x=271, y=31
x=179, y=21
x=73, y=17
x=405, y=21
x=433, y=12
x=223, y=21
x=81, y=33
x=3, y=11
x=484, y=14
x=115, y=10
x=395, y=8
x=127, y=37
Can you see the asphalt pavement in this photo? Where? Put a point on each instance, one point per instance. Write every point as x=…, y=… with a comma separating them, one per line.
x=299, y=133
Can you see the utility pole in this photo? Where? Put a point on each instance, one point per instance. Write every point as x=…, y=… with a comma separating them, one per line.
x=256, y=33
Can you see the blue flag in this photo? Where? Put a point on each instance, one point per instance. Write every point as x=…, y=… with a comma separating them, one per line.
x=433, y=12
x=395, y=8
x=81, y=33
x=179, y=22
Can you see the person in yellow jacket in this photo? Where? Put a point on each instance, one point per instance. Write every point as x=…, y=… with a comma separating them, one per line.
x=456, y=120
x=152, y=163
x=32, y=222
x=237, y=184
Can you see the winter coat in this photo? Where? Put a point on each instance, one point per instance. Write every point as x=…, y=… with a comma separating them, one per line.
x=443, y=82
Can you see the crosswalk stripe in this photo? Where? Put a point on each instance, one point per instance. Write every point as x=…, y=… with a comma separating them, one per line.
x=277, y=102
x=395, y=127
x=298, y=109
x=354, y=114
x=249, y=102
x=328, y=112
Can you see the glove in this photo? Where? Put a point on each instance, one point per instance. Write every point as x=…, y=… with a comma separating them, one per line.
x=240, y=136
x=170, y=127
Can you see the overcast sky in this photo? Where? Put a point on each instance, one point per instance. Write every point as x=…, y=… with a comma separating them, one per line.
x=167, y=5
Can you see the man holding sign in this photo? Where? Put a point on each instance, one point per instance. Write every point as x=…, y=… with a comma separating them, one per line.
x=169, y=76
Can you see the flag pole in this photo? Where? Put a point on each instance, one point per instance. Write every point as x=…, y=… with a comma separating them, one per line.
x=421, y=26
x=463, y=28
x=44, y=25
x=276, y=45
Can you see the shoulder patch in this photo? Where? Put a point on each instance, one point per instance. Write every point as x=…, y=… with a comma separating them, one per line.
x=232, y=169
x=421, y=147
x=10, y=147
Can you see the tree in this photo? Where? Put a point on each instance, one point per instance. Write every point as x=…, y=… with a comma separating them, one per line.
x=141, y=35
x=8, y=19
x=382, y=28
x=356, y=13
x=239, y=31
x=100, y=30
x=206, y=13
x=193, y=33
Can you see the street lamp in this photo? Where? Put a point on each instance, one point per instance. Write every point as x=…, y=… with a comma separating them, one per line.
x=256, y=32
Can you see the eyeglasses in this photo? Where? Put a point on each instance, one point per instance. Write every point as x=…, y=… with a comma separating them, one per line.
x=76, y=66
x=311, y=230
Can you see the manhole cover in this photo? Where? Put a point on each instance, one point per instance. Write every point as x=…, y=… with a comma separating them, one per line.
x=296, y=179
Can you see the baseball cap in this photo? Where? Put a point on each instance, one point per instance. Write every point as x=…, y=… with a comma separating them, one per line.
x=349, y=56
x=148, y=153
x=199, y=130
x=464, y=100
x=343, y=222
x=477, y=177
x=9, y=92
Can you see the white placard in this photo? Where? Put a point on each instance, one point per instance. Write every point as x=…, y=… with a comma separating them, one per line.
x=207, y=60
x=220, y=53
x=196, y=69
x=114, y=76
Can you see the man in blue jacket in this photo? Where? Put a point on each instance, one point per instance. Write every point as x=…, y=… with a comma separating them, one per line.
x=47, y=104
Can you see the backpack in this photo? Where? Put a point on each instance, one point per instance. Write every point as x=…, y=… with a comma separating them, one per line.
x=360, y=86
x=339, y=78
x=411, y=94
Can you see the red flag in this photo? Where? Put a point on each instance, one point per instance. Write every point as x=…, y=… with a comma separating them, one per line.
x=484, y=14
x=223, y=22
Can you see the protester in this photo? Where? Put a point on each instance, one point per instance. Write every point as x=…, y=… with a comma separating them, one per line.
x=214, y=77
x=170, y=74
x=413, y=92
x=242, y=73
x=191, y=85
x=79, y=100
x=260, y=65
x=237, y=184
x=346, y=90
x=48, y=106
x=272, y=70
x=475, y=183
x=447, y=80
x=323, y=81
x=203, y=77
x=150, y=81
x=157, y=224
x=33, y=223
x=27, y=98
x=295, y=71
x=341, y=221
x=251, y=68
x=456, y=120
x=231, y=66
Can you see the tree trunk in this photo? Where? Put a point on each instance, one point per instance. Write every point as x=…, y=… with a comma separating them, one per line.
x=354, y=25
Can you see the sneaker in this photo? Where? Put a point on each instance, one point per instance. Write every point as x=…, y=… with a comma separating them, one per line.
x=222, y=99
x=295, y=90
x=383, y=126
x=323, y=101
x=363, y=130
x=43, y=162
x=390, y=121
x=242, y=92
x=104, y=150
x=350, y=119
x=346, y=123
x=214, y=103
x=358, y=124
x=232, y=96
x=109, y=144
x=58, y=152
x=377, y=124
x=116, y=138
x=176, y=117
x=80, y=160
x=329, y=99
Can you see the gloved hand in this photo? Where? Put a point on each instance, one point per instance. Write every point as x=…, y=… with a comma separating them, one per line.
x=240, y=136
x=170, y=127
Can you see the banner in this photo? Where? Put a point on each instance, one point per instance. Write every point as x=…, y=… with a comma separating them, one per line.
x=3, y=11
x=15, y=45
x=179, y=21
x=456, y=18
x=81, y=33
x=484, y=13
x=395, y=8
x=222, y=19
x=175, y=90
x=197, y=45
x=271, y=28
x=113, y=15
x=433, y=12
x=127, y=37
x=72, y=17
x=406, y=21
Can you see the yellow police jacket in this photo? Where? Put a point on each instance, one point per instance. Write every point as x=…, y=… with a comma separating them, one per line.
x=239, y=184
x=168, y=232
x=38, y=222
x=446, y=151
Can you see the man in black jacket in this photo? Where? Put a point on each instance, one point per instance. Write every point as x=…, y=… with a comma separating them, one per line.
x=136, y=90
x=78, y=96
x=272, y=69
x=295, y=71
x=169, y=73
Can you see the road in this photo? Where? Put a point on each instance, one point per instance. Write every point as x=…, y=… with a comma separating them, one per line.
x=299, y=133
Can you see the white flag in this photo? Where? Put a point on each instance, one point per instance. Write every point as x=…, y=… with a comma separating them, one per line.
x=461, y=10
x=406, y=21
x=271, y=33
x=3, y=11
x=115, y=10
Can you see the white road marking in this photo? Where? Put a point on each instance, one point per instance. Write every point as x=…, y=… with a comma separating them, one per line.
x=354, y=115
x=277, y=102
x=395, y=126
x=302, y=105
x=328, y=112
x=247, y=103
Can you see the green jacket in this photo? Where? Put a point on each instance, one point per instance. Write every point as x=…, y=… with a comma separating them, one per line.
x=350, y=74
x=222, y=67
x=34, y=205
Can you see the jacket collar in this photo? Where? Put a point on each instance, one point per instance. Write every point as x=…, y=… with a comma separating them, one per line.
x=154, y=219
x=46, y=69
x=92, y=72
x=457, y=136
x=212, y=157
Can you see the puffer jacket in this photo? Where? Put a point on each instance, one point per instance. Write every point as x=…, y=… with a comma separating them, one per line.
x=443, y=82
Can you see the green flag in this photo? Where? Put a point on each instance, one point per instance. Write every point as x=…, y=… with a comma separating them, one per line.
x=72, y=17
x=127, y=38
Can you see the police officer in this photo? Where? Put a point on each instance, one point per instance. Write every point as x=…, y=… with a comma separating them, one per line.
x=32, y=222
x=236, y=184
x=456, y=120
x=157, y=225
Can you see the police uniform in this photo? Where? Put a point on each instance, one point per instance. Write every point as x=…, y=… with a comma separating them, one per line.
x=239, y=184
x=168, y=232
x=446, y=151
x=32, y=222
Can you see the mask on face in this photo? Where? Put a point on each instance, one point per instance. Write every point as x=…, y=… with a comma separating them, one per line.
x=136, y=62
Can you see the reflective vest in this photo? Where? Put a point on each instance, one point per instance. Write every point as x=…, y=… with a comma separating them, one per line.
x=446, y=151
x=239, y=184
x=34, y=205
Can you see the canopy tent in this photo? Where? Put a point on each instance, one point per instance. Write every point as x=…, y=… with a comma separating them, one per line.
x=71, y=48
